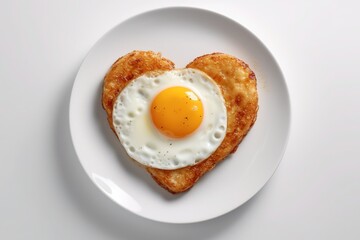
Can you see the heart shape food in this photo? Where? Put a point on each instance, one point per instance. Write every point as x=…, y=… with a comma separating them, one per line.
x=234, y=78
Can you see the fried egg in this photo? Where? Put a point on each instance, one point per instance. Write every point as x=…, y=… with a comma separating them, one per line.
x=170, y=119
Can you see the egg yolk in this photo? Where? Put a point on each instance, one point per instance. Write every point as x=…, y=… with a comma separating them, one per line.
x=177, y=112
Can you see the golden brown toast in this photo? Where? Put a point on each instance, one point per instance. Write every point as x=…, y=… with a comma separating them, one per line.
x=125, y=69
x=237, y=83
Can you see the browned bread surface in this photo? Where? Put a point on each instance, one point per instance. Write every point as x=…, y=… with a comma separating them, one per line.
x=125, y=69
x=237, y=83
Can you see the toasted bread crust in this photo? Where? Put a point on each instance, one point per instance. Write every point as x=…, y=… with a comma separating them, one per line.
x=125, y=69
x=238, y=85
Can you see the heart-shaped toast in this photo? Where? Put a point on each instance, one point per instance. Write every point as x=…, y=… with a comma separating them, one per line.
x=237, y=84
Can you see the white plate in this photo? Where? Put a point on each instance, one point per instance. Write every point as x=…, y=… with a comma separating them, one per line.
x=180, y=34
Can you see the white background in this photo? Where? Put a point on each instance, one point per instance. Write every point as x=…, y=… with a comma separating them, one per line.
x=44, y=192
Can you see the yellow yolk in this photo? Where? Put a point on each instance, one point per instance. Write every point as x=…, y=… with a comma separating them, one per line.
x=177, y=112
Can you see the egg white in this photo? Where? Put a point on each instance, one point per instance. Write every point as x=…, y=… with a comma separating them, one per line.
x=145, y=144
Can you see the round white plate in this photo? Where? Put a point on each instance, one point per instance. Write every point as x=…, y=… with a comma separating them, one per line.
x=180, y=34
